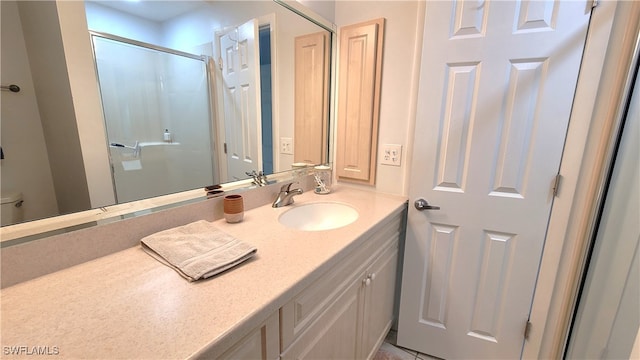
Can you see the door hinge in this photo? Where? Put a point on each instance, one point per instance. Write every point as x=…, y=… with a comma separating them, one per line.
x=527, y=330
x=220, y=64
x=556, y=185
x=225, y=148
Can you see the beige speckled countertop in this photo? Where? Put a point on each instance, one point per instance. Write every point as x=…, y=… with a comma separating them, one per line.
x=128, y=305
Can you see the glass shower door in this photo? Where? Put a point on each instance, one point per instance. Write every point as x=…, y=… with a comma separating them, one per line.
x=157, y=115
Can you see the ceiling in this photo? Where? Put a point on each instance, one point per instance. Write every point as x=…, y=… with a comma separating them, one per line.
x=155, y=10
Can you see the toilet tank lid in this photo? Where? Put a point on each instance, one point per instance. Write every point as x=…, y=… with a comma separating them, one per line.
x=11, y=197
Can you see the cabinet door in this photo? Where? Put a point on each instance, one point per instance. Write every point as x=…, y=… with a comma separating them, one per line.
x=359, y=100
x=303, y=310
x=346, y=319
x=379, y=299
x=261, y=343
x=335, y=334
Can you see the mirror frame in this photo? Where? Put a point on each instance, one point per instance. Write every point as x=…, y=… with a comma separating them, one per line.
x=37, y=229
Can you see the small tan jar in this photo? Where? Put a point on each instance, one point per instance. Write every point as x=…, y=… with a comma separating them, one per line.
x=233, y=208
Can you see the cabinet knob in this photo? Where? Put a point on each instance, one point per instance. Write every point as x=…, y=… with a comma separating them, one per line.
x=367, y=280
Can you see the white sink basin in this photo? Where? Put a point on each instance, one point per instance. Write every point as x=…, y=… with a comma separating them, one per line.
x=318, y=216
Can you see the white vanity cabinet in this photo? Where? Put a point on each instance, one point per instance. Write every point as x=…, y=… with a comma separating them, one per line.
x=344, y=314
x=347, y=312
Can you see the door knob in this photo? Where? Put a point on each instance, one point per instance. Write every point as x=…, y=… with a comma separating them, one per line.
x=422, y=204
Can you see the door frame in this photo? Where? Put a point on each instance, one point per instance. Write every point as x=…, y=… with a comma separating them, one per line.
x=590, y=133
x=271, y=21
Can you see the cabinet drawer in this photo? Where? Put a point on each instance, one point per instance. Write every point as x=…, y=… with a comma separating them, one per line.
x=301, y=311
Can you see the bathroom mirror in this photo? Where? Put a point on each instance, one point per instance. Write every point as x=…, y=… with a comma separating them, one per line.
x=86, y=161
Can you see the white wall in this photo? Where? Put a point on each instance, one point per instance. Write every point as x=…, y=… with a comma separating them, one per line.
x=324, y=8
x=48, y=66
x=86, y=103
x=105, y=19
x=26, y=165
x=400, y=73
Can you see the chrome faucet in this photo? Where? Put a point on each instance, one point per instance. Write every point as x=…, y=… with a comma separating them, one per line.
x=259, y=178
x=285, y=196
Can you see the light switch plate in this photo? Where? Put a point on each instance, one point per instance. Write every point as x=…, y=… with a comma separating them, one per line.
x=286, y=146
x=391, y=154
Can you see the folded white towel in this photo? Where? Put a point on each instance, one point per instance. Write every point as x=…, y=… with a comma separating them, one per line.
x=197, y=250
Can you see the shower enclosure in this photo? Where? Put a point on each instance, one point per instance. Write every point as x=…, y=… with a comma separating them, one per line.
x=157, y=112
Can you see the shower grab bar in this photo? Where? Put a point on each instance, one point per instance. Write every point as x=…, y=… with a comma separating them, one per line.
x=136, y=148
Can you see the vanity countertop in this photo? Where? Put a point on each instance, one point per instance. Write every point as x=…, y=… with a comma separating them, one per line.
x=128, y=305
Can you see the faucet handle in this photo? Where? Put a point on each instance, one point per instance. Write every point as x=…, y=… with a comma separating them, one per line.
x=287, y=187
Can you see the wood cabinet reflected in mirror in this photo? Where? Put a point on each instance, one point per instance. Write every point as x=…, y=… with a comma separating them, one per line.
x=311, y=98
x=89, y=130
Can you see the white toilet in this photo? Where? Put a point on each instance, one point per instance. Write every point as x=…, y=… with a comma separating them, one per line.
x=11, y=210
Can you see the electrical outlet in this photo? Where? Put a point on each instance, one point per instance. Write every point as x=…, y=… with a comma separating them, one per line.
x=286, y=146
x=391, y=154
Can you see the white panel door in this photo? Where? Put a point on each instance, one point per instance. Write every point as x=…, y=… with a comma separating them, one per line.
x=496, y=89
x=241, y=99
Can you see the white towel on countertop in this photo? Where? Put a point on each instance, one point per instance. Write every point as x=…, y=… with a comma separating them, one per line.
x=197, y=250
